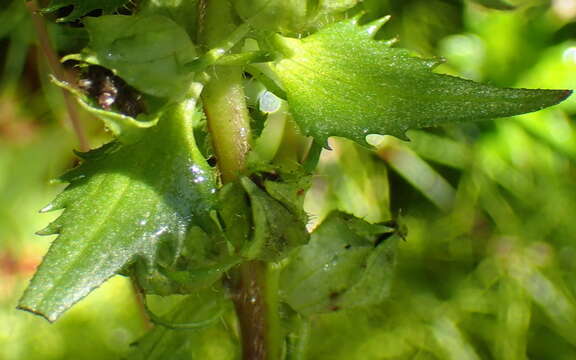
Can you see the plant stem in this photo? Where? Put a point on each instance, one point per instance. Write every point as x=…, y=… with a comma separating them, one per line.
x=228, y=120
x=59, y=73
x=223, y=96
x=256, y=307
x=229, y=124
x=140, y=300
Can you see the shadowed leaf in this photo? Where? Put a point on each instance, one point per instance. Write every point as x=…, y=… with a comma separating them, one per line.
x=347, y=264
x=83, y=7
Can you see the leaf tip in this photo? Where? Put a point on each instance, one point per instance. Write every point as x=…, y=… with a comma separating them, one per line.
x=564, y=94
x=53, y=228
x=435, y=62
x=356, y=18
x=47, y=208
x=50, y=319
x=391, y=42
x=47, y=231
x=372, y=27
x=323, y=142
x=402, y=136
x=551, y=98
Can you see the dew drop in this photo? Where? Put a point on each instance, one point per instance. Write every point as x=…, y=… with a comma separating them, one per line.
x=160, y=231
x=268, y=102
x=47, y=208
x=199, y=179
x=198, y=175
x=569, y=55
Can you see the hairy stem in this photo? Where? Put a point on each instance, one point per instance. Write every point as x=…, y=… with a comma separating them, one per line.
x=223, y=96
x=229, y=124
x=228, y=121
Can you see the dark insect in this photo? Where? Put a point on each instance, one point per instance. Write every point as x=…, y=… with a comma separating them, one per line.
x=212, y=161
x=110, y=91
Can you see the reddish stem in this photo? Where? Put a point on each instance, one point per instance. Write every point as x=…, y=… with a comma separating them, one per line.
x=59, y=73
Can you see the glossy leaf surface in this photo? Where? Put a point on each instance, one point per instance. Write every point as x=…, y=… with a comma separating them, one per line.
x=138, y=45
x=120, y=206
x=342, y=82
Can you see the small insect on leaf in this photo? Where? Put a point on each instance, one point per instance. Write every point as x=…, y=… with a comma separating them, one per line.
x=111, y=92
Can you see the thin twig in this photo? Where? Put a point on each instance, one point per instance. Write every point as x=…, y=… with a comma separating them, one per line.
x=140, y=300
x=59, y=73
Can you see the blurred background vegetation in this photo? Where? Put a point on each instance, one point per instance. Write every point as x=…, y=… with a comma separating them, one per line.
x=488, y=268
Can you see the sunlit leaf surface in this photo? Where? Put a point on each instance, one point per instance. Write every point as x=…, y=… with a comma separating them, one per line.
x=120, y=206
x=139, y=44
x=342, y=82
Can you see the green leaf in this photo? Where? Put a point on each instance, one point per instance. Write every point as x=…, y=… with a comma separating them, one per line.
x=277, y=229
x=341, y=82
x=261, y=225
x=120, y=206
x=328, y=6
x=200, y=263
x=183, y=12
x=125, y=128
x=83, y=7
x=291, y=16
x=235, y=214
x=148, y=52
x=348, y=263
x=211, y=342
x=290, y=192
x=495, y=4
x=275, y=15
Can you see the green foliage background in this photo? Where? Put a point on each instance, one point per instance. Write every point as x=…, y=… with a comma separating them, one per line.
x=487, y=270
